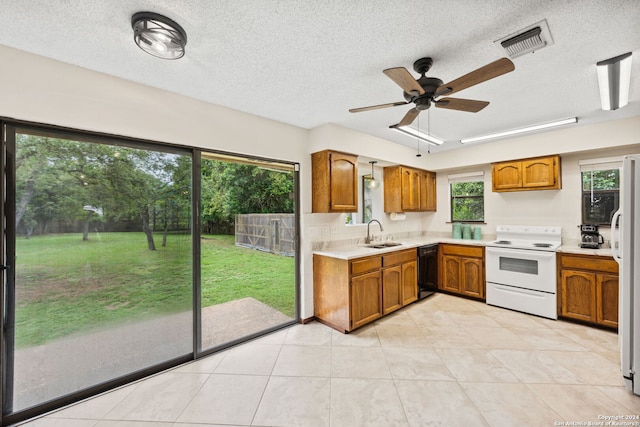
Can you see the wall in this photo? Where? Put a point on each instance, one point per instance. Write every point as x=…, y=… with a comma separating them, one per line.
x=38, y=89
x=550, y=207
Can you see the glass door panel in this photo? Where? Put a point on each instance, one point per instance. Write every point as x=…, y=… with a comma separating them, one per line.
x=102, y=276
x=248, y=264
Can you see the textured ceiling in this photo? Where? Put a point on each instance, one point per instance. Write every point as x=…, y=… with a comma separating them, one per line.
x=307, y=62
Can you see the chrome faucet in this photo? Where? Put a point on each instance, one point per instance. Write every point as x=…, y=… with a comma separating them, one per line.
x=367, y=240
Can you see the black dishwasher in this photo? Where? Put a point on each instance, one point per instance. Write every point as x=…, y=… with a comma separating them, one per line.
x=427, y=270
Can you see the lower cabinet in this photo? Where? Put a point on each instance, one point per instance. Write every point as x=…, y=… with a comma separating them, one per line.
x=366, y=293
x=348, y=294
x=462, y=270
x=391, y=289
x=588, y=287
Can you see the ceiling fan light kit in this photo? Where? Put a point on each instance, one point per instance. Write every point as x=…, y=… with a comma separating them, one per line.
x=520, y=130
x=614, y=78
x=158, y=35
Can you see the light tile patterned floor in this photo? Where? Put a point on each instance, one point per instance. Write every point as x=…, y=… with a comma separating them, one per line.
x=444, y=361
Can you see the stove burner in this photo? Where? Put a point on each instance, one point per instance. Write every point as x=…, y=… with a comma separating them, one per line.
x=502, y=242
x=542, y=245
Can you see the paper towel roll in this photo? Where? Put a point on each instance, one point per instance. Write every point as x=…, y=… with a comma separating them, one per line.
x=398, y=216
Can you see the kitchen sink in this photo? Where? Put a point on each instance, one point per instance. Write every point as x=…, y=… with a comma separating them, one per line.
x=383, y=245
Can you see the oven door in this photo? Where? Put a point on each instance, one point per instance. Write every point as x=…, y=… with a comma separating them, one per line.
x=522, y=268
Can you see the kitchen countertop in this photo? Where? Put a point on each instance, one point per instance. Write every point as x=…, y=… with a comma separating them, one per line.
x=351, y=252
x=359, y=251
x=574, y=249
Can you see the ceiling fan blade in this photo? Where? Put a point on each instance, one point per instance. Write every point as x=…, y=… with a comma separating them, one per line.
x=482, y=74
x=469, y=105
x=377, y=107
x=409, y=117
x=404, y=79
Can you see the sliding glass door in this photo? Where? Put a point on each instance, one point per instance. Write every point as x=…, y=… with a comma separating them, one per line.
x=248, y=241
x=101, y=283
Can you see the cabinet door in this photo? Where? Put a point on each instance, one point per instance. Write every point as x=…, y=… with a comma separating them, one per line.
x=472, y=277
x=578, y=295
x=607, y=299
x=391, y=289
x=451, y=273
x=427, y=191
x=540, y=172
x=506, y=176
x=410, y=189
x=366, y=298
x=343, y=183
x=409, y=282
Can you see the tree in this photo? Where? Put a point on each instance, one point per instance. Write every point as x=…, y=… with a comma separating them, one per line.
x=57, y=178
x=230, y=188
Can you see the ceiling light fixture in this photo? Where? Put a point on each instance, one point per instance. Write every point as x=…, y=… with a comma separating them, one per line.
x=373, y=183
x=158, y=35
x=520, y=130
x=408, y=130
x=614, y=76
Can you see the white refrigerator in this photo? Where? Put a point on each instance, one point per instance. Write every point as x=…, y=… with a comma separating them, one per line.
x=625, y=243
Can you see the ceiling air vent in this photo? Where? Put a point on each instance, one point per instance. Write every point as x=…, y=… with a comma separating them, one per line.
x=527, y=40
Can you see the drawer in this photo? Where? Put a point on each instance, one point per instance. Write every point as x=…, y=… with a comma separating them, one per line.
x=399, y=257
x=364, y=265
x=589, y=262
x=468, y=251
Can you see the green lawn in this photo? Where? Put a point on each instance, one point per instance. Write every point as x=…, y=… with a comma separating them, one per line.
x=66, y=285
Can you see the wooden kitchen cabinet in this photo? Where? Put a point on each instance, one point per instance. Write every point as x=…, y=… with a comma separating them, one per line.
x=538, y=173
x=366, y=295
x=588, y=289
x=391, y=289
x=409, y=189
x=348, y=294
x=409, y=282
x=427, y=191
x=334, y=184
x=462, y=270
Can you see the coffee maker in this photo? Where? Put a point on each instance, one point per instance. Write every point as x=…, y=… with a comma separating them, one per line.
x=590, y=237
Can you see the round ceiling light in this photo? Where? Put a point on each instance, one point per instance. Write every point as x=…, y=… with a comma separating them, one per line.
x=158, y=35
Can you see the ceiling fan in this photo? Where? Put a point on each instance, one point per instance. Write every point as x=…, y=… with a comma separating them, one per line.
x=424, y=91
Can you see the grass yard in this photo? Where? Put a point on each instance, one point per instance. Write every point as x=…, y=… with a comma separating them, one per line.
x=65, y=285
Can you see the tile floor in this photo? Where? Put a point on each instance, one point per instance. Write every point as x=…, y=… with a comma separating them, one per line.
x=444, y=361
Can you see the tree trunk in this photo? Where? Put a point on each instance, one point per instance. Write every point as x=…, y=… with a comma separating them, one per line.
x=147, y=230
x=164, y=235
x=85, y=227
x=24, y=200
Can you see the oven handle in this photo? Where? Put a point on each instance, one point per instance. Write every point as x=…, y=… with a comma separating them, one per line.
x=527, y=254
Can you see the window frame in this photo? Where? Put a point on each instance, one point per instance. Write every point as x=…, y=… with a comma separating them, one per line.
x=594, y=165
x=464, y=178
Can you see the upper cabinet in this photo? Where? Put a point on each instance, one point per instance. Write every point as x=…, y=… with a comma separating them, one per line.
x=409, y=190
x=334, y=182
x=539, y=173
x=427, y=191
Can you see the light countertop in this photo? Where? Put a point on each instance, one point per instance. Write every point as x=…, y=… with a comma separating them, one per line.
x=359, y=251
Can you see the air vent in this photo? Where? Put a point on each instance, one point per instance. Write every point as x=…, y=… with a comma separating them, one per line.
x=527, y=40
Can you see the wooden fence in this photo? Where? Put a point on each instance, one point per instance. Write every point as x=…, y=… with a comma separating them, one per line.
x=266, y=232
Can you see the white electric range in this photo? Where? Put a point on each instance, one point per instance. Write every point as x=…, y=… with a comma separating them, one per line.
x=521, y=269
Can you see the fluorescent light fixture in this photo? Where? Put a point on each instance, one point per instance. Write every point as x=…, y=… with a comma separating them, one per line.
x=614, y=76
x=408, y=130
x=520, y=130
